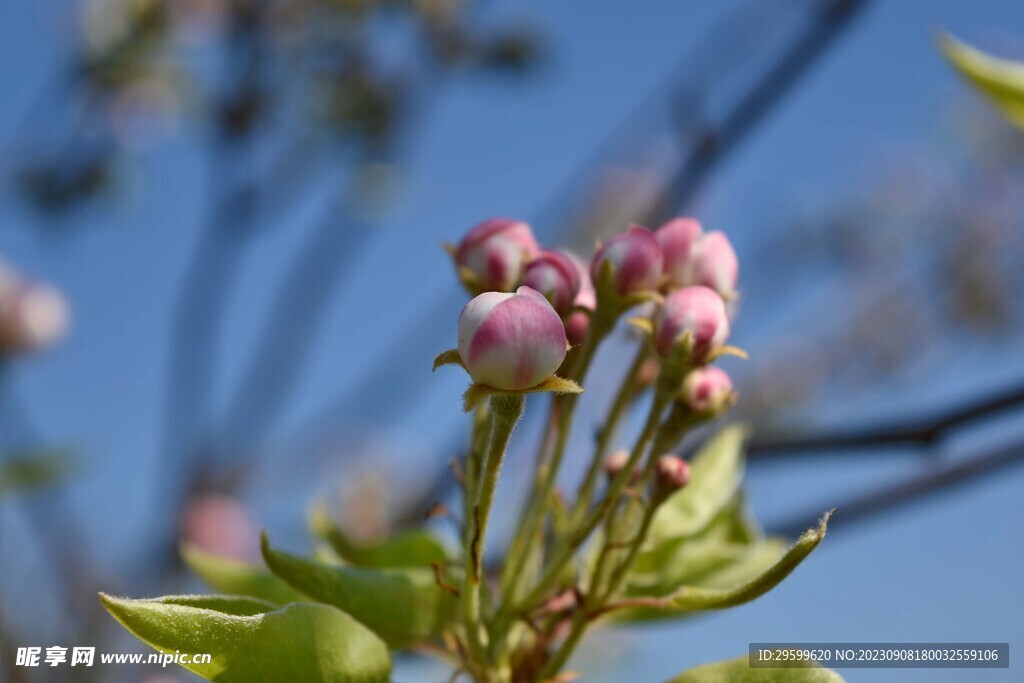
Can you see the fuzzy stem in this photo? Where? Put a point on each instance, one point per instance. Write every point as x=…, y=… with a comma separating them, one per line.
x=565, y=550
x=623, y=399
x=506, y=410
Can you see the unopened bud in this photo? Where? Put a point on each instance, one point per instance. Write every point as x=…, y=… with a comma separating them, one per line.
x=615, y=463
x=492, y=256
x=693, y=313
x=671, y=473
x=511, y=341
x=554, y=275
x=633, y=259
x=714, y=264
x=707, y=390
x=677, y=239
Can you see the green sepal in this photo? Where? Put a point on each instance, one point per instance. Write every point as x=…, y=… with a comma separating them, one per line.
x=233, y=577
x=250, y=641
x=402, y=606
x=739, y=671
x=449, y=357
x=477, y=393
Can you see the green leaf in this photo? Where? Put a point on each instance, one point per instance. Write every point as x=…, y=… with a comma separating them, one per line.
x=415, y=548
x=402, y=606
x=299, y=642
x=738, y=671
x=1000, y=80
x=233, y=577
x=32, y=470
x=707, y=563
x=695, y=598
x=715, y=475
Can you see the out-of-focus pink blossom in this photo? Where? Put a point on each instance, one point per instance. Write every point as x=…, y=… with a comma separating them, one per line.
x=707, y=389
x=220, y=525
x=32, y=316
x=634, y=258
x=511, y=341
x=697, y=311
x=554, y=275
x=494, y=254
x=677, y=239
x=715, y=264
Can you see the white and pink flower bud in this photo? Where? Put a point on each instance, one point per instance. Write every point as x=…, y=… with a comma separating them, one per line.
x=492, y=256
x=696, y=313
x=577, y=323
x=671, y=473
x=715, y=264
x=32, y=317
x=677, y=239
x=554, y=275
x=707, y=390
x=634, y=260
x=511, y=341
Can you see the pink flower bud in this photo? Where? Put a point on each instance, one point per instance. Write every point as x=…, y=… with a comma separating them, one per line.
x=707, y=389
x=715, y=264
x=677, y=239
x=495, y=252
x=615, y=463
x=554, y=275
x=671, y=473
x=32, y=316
x=697, y=311
x=635, y=260
x=511, y=341
x=578, y=323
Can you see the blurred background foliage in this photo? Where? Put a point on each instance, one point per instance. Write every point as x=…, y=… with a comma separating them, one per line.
x=242, y=201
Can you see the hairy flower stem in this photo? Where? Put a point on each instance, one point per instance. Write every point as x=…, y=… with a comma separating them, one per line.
x=506, y=410
x=627, y=392
x=605, y=510
x=566, y=548
x=474, y=467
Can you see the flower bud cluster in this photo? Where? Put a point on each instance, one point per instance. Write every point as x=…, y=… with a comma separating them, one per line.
x=530, y=302
x=33, y=316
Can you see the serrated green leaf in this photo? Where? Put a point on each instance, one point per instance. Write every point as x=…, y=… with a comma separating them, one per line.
x=402, y=606
x=299, y=642
x=715, y=475
x=233, y=577
x=414, y=548
x=707, y=563
x=699, y=598
x=738, y=671
x=1000, y=80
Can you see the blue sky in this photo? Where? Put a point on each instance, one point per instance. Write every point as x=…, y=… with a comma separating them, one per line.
x=947, y=570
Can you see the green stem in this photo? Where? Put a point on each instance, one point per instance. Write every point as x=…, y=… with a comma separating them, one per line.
x=565, y=550
x=506, y=409
x=474, y=465
x=561, y=656
x=623, y=399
